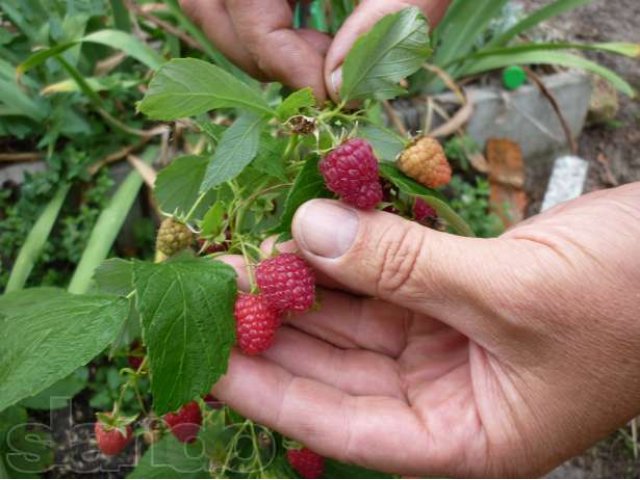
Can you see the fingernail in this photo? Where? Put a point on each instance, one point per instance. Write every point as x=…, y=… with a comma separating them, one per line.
x=336, y=81
x=325, y=228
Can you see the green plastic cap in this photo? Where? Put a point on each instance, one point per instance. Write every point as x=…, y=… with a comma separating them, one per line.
x=513, y=77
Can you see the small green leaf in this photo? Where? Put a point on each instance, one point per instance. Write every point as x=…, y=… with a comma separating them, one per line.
x=238, y=147
x=270, y=158
x=184, y=87
x=432, y=197
x=392, y=50
x=186, y=308
x=48, y=333
x=115, y=277
x=212, y=220
x=308, y=185
x=386, y=143
x=295, y=102
x=169, y=458
x=177, y=186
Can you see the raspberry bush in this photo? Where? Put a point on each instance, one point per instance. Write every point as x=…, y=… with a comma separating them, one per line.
x=261, y=156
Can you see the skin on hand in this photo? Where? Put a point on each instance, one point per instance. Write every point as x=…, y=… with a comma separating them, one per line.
x=258, y=36
x=434, y=354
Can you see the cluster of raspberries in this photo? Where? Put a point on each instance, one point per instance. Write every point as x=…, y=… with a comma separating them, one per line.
x=287, y=284
x=351, y=170
x=113, y=434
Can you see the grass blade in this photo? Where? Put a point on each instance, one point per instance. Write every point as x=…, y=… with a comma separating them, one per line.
x=631, y=50
x=553, y=9
x=33, y=245
x=550, y=58
x=107, y=227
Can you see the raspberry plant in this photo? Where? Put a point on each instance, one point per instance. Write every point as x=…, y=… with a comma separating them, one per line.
x=264, y=156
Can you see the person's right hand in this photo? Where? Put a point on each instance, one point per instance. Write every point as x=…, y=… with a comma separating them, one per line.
x=464, y=357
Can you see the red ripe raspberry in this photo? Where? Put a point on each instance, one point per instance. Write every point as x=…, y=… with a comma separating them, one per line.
x=185, y=423
x=256, y=323
x=112, y=440
x=423, y=211
x=287, y=283
x=351, y=172
x=306, y=462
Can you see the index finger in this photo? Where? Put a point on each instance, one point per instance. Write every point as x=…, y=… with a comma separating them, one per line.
x=280, y=51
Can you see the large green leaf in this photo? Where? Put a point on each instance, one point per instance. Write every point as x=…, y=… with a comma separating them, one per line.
x=432, y=197
x=308, y=185
x=111, y=38
x=170, y=458
x=237, y=148
x=60, y=393
x=393, y=49
x=186, y=307
x=548, y=58
x=177, y=186
x=48, y=333
x=185, y=87
x=114, y=277
x=551, y=10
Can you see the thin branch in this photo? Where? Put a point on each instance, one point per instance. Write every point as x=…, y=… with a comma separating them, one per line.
x=395, y=119
x=166, y=26
x=146, y=171
x=573, y=145
x=21, y=157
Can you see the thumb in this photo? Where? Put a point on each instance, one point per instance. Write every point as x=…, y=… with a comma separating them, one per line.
x=366, y=14
x=385, y=256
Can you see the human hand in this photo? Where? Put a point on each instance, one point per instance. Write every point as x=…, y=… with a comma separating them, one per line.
x=434, y=354
x=258, y=36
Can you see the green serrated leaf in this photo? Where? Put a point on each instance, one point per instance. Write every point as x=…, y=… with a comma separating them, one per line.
x=308, y=185
x=114, y=276
x=48, y=333
x=186, y=308
x=169, y=458
x=432, y=197
x=392, y=50
x=184, y=87
x=386, y=143
x=177, y=186
x=237, y=148
x=295, y=102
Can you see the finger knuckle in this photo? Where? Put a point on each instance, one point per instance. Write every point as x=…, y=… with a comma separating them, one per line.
x=401, y=251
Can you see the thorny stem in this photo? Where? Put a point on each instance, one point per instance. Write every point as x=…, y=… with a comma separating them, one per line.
x=232, y=446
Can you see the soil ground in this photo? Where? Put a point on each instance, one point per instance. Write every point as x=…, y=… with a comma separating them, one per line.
x=613, y=151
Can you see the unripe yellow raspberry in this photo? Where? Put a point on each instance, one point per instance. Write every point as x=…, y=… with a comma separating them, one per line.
x=424, y=161
x=173, y=236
